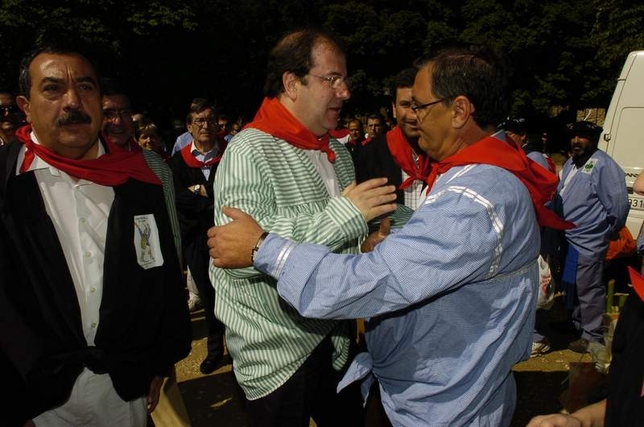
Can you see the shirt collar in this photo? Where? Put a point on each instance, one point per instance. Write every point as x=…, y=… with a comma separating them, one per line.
x=199, y=155
x=39, y=163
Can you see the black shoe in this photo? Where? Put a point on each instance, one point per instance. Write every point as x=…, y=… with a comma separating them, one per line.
x=579, y=346
x=210, y=364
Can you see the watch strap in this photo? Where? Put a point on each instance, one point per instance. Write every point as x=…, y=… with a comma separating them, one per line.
x=253, y=251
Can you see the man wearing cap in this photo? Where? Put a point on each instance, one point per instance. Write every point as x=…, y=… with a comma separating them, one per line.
x=592, y=194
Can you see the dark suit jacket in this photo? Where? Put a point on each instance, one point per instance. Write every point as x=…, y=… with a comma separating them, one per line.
x=195, y=212
x=374, y=160
x=144, y=323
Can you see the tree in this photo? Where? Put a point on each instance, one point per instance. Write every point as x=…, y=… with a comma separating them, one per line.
x=564, y=54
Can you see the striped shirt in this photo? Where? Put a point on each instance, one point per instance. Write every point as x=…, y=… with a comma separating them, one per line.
x=280, y=187
x=163, y=172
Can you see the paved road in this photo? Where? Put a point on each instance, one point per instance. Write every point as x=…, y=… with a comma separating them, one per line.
x=215, y=400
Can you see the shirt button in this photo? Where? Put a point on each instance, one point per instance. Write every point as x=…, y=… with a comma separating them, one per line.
x=92, y=289
x=93, y=325
x=82, y=220
x=88, y=254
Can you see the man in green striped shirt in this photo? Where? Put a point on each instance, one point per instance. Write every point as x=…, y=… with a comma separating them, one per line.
x=284, y=170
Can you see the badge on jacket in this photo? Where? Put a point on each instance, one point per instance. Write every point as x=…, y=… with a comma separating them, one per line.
x=590, y=164
x=146, y=242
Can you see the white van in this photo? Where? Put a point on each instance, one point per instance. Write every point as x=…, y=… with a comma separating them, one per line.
x=623, y=135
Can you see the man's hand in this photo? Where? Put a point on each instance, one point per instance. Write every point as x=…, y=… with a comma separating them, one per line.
x=153, y=394
x=554, y=420
x=377, y=236
x=588, y=416
x=231, y=244
x=372, y=198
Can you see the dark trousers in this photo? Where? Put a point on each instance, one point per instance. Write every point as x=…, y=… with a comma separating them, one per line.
x=198, y=261
x=588, y=312
x=310, y=393
x=375, y=415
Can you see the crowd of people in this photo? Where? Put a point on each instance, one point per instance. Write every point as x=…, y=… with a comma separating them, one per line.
x=382, y=272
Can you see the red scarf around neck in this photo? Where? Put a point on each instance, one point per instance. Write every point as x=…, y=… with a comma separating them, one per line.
x=339, y=133
x=541, y=183
x=193, y=162
x=274, y=119
x=111, y=169
x=403, y=155
x=637, y=280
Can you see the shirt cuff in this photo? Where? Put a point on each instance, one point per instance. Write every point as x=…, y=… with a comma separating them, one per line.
x=273, y=254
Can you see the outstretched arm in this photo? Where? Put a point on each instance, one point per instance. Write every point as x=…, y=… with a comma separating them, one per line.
x=231, y=244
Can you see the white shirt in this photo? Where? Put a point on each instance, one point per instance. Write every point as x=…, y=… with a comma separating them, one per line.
x=79, y=211
x=326, y=171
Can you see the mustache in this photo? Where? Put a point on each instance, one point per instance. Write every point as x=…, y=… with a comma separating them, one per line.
x=73, y=117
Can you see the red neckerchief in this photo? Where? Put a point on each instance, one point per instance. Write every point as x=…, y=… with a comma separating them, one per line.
x=111, y=169
x=403, y=156
x=366, y=141
x=540, y=182
x=193, y=162
x=637, y=280
x=339, y=133
x=274, y=119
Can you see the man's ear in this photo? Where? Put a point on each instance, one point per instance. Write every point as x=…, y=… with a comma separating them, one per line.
x=291, y=84
x=25, y=106
x=462, y=110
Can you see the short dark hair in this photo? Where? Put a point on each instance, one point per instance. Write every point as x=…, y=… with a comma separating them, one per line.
x=376, y=116
x=516, y=125
x=24, y=77
x=197, y=106
x=293, y=54
x=477, y=72
x=145, y=126
x=404, y=79
x=355, y=121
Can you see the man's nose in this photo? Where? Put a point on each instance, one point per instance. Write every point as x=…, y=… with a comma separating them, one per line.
x=72, y=98
x=343, y=92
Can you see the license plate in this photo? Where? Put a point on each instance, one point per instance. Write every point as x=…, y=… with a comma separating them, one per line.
x=636, y=203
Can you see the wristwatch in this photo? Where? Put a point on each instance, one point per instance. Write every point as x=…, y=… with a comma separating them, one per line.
x=253, y=251
x=196, y=188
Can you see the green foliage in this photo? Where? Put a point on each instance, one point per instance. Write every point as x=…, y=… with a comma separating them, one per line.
x=563, y=54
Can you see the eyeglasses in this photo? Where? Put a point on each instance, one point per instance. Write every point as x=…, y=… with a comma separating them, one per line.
x=8, y=109
x=113, y=113
x=200, y=121
x=335, y=81
x=415, y=107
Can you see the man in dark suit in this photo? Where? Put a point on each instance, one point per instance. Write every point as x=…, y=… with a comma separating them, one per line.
x=94, y=314
x=396, y=154
x=194, y=169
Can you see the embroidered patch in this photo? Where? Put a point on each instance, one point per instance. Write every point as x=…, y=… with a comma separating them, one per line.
x=146, y=242
x=590, y=164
